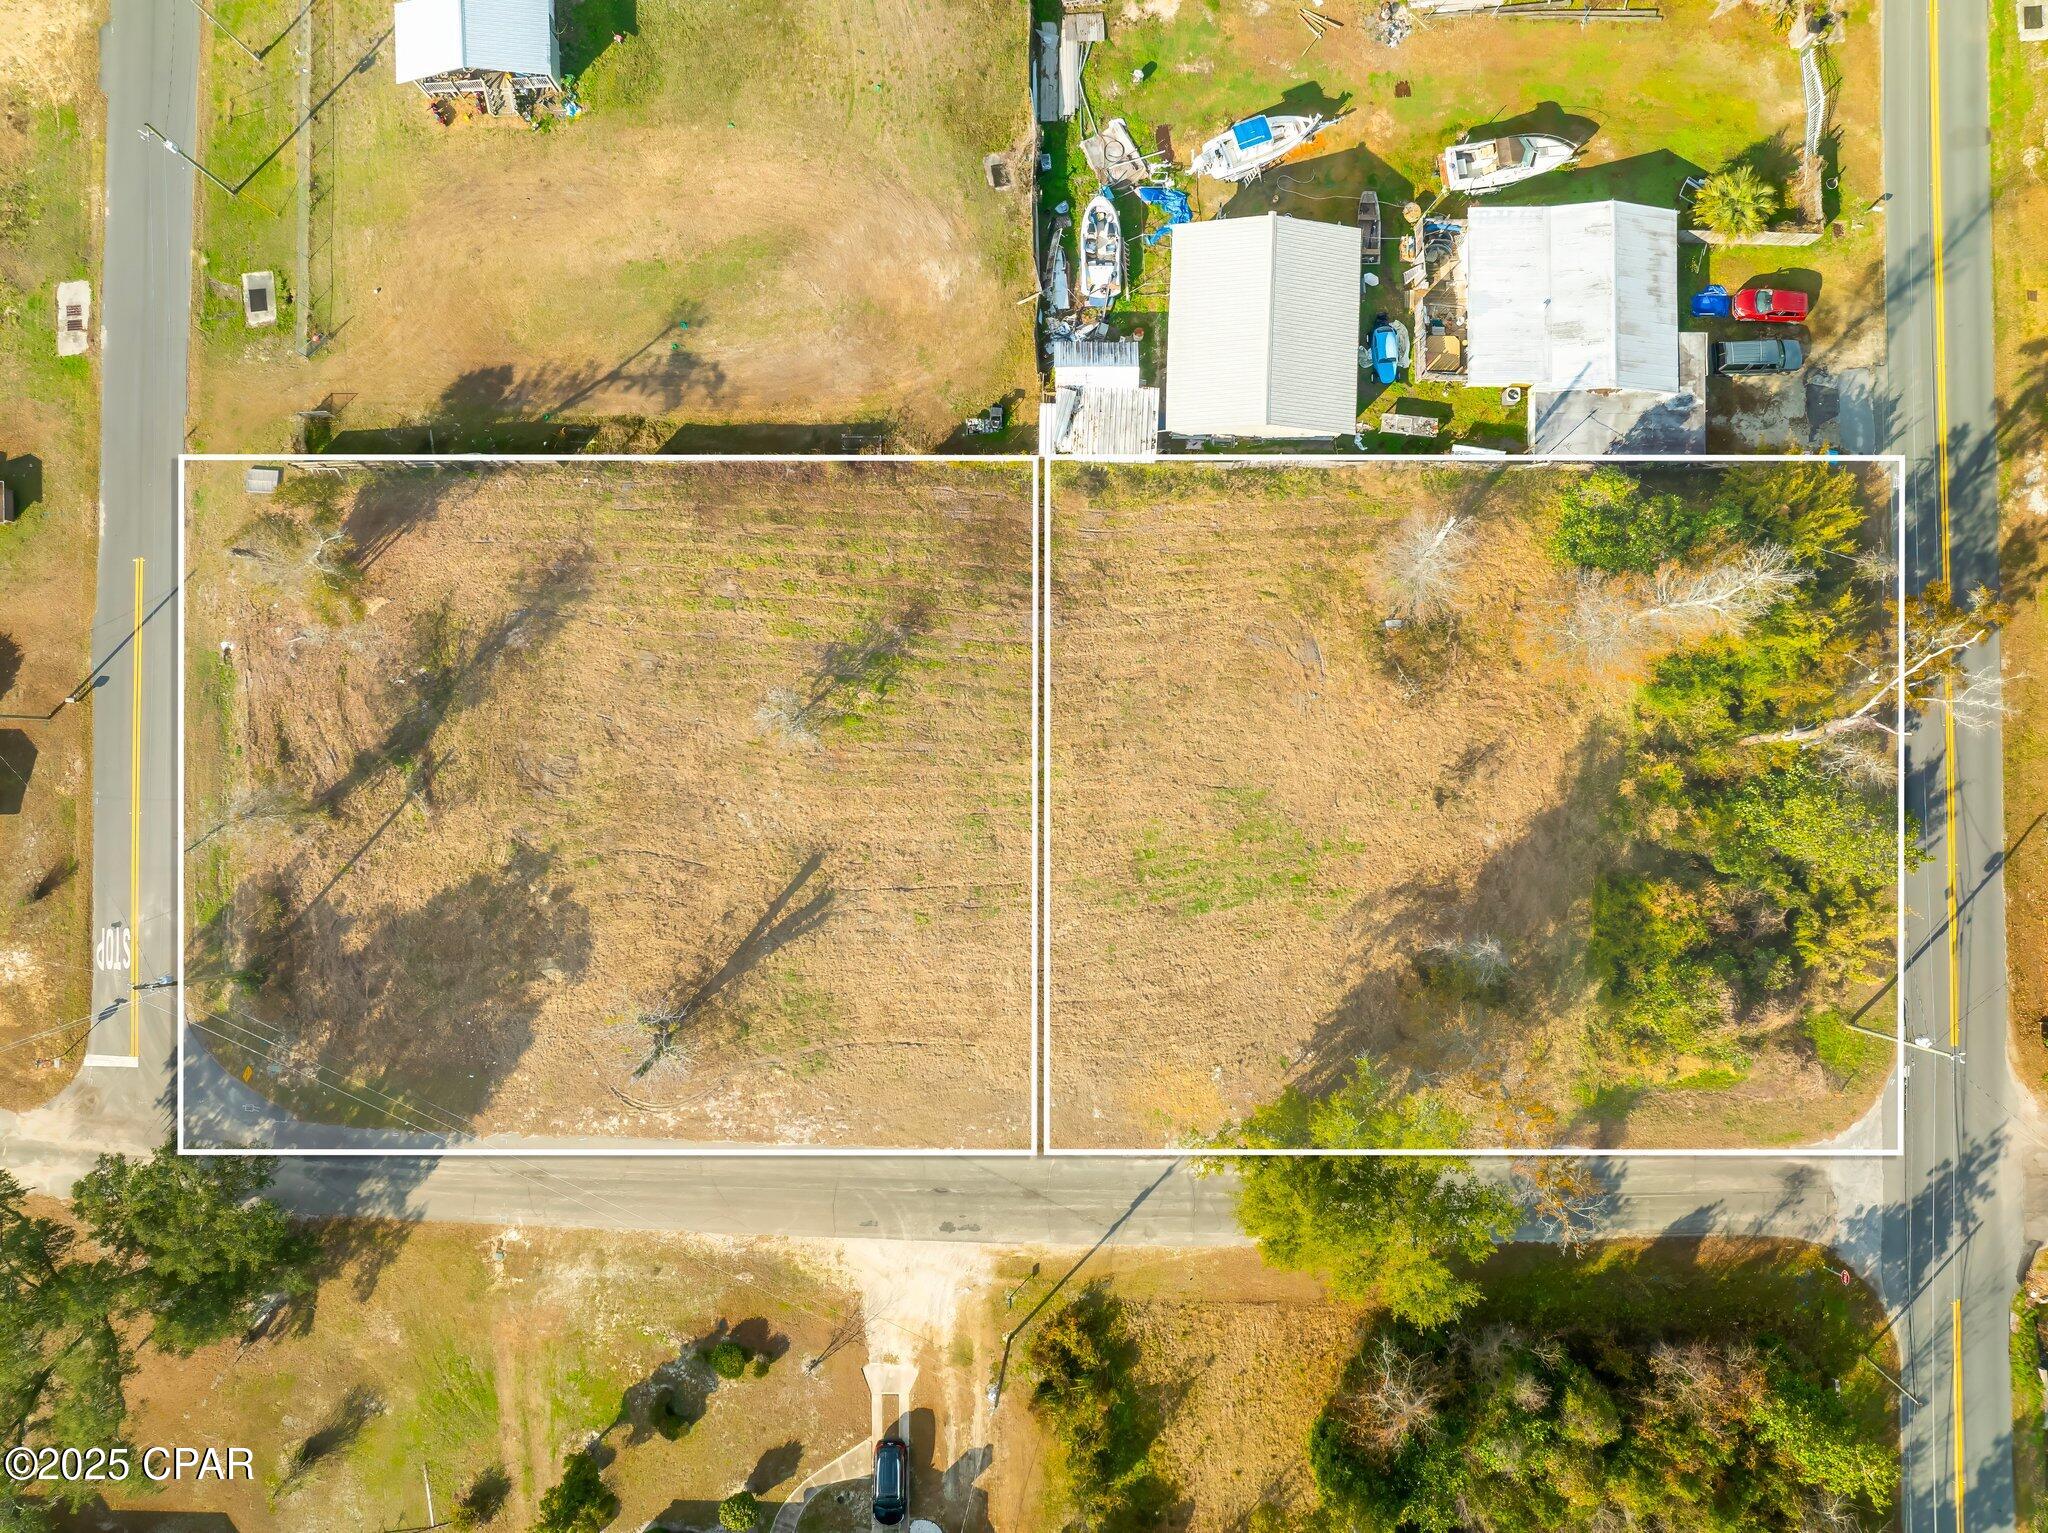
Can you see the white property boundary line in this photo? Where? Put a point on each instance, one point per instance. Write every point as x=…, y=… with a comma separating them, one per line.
x=1040, y=1108
x=543, y=1150
x=1895, y=462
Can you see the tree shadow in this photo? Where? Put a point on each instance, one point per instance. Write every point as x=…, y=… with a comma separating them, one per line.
x=1652, y=179
x=782, y=922
x=1528, y=894
x=410, y=1020
x=335, y=1435
x=669, y=1402
x=10, y=664
x=391, y=503
x=777, y=1465
x=592, y=27
x=448, y=671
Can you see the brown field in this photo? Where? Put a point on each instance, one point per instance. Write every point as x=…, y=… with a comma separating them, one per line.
x=50, y=121
x=769, y=225
x=741, y=746
x=1265, y=805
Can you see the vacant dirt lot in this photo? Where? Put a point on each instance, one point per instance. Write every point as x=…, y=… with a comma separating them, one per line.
x=1274, y=795
x=679, y=801
x=50, y=113
x=461, y=1351
x=770, y=219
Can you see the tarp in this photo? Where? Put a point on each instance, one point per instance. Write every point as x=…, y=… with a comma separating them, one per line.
x=1174, y=204
x=1252, y=132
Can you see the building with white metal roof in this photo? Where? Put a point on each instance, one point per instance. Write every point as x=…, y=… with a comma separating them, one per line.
x=432, y=38
x=1583, y=296
x=1101, y=407
x=1262, y=328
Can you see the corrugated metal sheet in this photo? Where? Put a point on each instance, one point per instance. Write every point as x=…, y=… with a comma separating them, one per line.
x=1096, y=422
x=1262, y=328
x=1577, y=297
x=1102, y=364
x=435, y=37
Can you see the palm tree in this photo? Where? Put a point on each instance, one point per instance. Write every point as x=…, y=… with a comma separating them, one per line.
x=1737, y=201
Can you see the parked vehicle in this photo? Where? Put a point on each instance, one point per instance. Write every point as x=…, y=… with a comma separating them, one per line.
x=1771, y=356
x=892, y=1481
x=1386, y=351
x=1102, y=252
x=1772, y=305
x=1711, y=302
x=1492, y=163
x=1244, y=149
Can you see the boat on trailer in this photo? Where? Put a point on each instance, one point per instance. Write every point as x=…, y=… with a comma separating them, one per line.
x=1245, y=148
x=1102, y=252
x=1491, y=163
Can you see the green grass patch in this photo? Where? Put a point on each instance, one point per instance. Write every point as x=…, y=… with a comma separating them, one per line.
x=1846, y=1055
x=2029, y=1427
x=1259, y=854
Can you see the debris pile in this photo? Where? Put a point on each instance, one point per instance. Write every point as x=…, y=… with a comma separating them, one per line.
x=1391, y=24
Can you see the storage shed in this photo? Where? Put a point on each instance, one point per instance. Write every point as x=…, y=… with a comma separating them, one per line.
x=1262, y=328
x=1583, y=296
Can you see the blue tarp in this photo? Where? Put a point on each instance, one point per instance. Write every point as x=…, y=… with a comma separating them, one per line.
x=1252, y=132
x=1174, y=204
x=1710, y=302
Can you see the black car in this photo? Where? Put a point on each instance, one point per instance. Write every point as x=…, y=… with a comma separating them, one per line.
x=892, y=1481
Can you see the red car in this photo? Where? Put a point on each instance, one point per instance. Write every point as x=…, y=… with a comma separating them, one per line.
x=1772, y=305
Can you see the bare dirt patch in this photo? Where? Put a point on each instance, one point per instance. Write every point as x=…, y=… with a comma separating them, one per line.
x=719, y=771
x=1277, y=798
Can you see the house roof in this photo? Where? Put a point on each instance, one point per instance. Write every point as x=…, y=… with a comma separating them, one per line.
x=1100, y=364
x=1105, y=421
x=437, y=37
x=1583, y=296
x=1262, y=328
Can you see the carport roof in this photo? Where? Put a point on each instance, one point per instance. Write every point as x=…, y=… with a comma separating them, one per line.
x=438, y=37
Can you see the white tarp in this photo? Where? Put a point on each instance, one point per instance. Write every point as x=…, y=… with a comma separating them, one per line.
x=1577, y=297
x=1262, y=328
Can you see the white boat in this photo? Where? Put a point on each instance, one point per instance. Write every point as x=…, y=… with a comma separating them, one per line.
x=1244, y=149
x=1102, y=252
x=1492, y=163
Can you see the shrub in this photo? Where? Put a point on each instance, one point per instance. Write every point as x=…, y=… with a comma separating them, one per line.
x=739, y=1512
x=482, y=1499
x=580, y=1502
x=728, y=1359
x=670, y=1419
x=761, y=1365
x=1606, y=520
x=1737, y=201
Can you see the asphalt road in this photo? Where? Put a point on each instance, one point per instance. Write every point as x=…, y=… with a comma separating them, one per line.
x=149, y=60
x=1954, y=1238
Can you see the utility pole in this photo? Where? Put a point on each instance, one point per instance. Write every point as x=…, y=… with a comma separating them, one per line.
x=147, y=131
x=226, y=31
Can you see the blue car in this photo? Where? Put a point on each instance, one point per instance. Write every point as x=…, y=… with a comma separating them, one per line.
x=1386, y=351
x=892, y=1481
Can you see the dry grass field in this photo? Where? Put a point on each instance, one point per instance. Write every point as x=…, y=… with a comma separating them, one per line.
x=462, y=1351
x=770, y=225
x=1270, y=806
x=497, y=779
x=50, y=116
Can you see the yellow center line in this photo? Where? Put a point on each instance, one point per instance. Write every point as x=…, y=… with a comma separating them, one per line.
x=135, y=822
x=1940, y=287
x=1948, y=777
x=1956, y=1340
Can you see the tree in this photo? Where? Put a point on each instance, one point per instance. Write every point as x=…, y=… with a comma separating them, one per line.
x=1605, y=520
x=739, y=1512
x=1387, y=1230
x=1609, y=619
x=1080, y=1359
x=728, y=1359
x=197, y=1246
x=1425, y=558
x=580, y=1502
x=63, y=1363
x=1737, y=201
